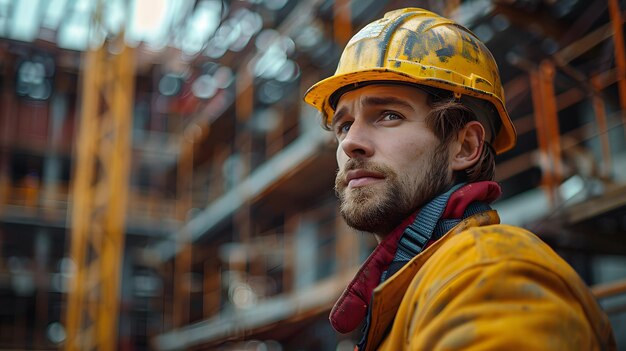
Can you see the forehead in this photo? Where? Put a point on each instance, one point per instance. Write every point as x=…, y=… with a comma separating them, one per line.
x=409, y=94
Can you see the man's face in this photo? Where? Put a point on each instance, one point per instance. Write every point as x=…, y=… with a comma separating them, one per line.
x=390, y=162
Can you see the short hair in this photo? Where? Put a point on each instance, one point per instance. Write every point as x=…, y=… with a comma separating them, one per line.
x=445, y=119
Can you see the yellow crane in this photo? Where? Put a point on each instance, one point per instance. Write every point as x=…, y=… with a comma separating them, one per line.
x=99, y=196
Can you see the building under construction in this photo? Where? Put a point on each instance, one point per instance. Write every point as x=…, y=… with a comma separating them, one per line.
x=164, y=187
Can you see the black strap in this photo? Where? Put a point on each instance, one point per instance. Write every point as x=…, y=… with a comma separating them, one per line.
x=418, y=233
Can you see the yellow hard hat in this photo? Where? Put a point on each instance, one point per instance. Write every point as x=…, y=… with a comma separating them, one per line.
x=416, y=46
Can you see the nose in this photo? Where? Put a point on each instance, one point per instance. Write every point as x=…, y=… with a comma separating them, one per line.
x=357, y=142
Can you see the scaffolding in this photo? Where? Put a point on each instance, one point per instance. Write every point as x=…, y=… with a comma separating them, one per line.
x=100, y=195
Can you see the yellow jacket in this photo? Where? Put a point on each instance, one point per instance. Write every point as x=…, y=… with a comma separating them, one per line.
x=486, y=286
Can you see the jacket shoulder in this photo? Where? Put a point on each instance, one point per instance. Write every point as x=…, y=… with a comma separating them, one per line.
x=500, y=275
x=504, y=246
x=502, y=242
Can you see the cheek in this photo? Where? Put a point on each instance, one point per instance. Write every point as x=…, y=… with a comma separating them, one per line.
x=341, y=157
x=414, y=150
x=416, y=156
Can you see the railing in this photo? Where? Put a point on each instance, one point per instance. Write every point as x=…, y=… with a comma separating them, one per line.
x=609, y=290
x=29, y=198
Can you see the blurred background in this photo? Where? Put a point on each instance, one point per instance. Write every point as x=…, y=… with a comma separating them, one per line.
x=164, y=187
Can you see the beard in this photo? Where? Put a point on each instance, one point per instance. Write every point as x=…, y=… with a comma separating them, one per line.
x=379, y=208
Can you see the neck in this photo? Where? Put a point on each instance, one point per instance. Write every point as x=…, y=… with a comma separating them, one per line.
x=379, y=237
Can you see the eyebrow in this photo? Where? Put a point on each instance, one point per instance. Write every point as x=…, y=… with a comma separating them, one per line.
x=372, y=101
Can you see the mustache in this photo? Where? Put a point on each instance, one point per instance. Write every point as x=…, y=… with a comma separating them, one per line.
x=357, y=163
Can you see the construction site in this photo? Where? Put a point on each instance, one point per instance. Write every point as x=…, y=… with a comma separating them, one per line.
x=163, y=185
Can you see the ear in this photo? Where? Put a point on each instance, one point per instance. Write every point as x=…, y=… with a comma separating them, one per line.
x=468, y=147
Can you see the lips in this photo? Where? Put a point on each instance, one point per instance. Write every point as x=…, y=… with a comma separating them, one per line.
x=362, y=177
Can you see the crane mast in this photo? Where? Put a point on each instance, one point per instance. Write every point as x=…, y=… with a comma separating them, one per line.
x=100, y=196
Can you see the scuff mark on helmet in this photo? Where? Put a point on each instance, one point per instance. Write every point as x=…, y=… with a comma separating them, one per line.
x=445, y=53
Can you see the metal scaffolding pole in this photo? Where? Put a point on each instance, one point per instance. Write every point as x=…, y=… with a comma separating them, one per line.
x=342, y=25
x=99, y=195
x=620, y=53
x=547, y=126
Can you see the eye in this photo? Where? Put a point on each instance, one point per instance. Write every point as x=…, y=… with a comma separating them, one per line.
x=343, y=128
x=390, y=116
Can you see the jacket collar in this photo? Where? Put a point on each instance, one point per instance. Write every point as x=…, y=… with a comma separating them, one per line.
x=351, y=308
x=388, y=295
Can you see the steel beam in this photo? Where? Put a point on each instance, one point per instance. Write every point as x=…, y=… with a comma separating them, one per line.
x=99, y=199
x=620, y=53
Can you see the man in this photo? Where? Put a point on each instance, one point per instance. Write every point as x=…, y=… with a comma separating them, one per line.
x=417, y=108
